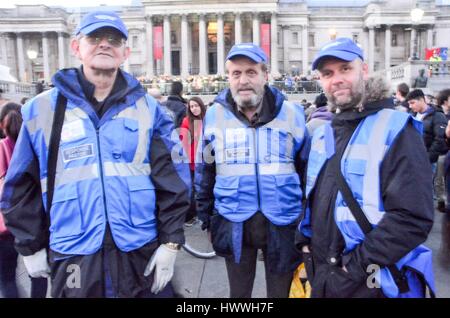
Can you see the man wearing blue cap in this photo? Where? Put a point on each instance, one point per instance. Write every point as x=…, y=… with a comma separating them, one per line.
x=97, y=194
x=249, y=183
x=369, y=189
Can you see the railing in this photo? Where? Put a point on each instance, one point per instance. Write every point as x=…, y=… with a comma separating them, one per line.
x=214, y=87
x=23, y=89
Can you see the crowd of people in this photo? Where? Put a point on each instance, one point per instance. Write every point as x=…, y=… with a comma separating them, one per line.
x=110, y=184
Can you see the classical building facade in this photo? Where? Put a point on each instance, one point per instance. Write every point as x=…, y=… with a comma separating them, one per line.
x=180, y=37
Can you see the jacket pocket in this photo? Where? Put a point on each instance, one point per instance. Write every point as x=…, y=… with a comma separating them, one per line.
x=221, y=231
x=65, y=215
x=289, y=193
x=142, y=200
x=130, y=139
x=226, y=193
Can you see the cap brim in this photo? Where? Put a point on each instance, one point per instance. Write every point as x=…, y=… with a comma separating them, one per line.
x=95, y=26
x=342, y=55
x=254, y=57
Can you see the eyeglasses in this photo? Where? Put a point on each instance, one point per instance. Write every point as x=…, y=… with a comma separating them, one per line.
x=113, y=39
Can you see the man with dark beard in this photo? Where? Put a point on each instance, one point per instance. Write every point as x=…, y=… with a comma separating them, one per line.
x=369, y=189
x=249, y=183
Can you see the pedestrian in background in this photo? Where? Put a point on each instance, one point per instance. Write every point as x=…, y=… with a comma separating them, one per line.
x=190, y=134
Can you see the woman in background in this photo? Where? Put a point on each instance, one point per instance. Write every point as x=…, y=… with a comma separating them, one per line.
x=190, y=134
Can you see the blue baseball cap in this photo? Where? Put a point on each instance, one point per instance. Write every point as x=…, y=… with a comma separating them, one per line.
x=100, y=19
x=341, y=48
x=250, y=50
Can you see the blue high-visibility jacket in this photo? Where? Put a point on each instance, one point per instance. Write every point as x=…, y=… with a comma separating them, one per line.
x=103, y=173
x=360, y=165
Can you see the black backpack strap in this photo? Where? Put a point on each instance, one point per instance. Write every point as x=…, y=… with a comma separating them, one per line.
x=53, y=147
x=361, y=218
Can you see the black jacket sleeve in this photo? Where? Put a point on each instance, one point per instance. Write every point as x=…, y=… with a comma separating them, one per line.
x=406, y=182
x=438, y=146
x=171, y=177
x=205, y=179
x=21, y=200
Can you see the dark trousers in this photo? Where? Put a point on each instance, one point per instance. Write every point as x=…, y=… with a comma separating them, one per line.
x=242, y=276
x=8, y=265
x=192, y=213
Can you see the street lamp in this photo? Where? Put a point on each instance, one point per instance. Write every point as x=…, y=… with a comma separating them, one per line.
x=333, y=33
x=32, y=55
x=416, y=17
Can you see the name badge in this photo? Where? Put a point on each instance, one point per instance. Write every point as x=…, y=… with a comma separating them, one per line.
x=237, y=153
x=79, y=152
x=72, y=131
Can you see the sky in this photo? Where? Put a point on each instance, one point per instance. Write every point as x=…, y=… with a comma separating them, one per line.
x=65, y=3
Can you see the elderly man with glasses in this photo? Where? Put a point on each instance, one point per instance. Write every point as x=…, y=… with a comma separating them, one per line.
x=108, y=209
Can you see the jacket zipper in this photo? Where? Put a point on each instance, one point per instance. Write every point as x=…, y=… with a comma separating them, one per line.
x=255, y=143
x=101, y=173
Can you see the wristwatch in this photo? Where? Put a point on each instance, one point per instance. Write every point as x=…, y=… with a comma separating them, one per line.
x=173, y=246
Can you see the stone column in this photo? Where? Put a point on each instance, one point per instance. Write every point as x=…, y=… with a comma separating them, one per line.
x=412, y=49
x=61, y=51
x=167, y=46
x=45, y=55
x=387, y=48
x=4, y=48
x=202, y=45
x=256, y=39
x=274, y=44
x=220, y=44
x=429, y=38
x=237, y=28
x=20, y=57
x=305, y=57
x=184, y=46
x=286, y=34
x=149, y=45
x=371, y=54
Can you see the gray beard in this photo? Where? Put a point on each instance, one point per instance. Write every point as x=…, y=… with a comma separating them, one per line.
x=252, y=103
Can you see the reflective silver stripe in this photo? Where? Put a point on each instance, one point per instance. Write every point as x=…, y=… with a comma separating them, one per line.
x=74, y=114
x=318, y=145
x=235, y=169
x=373, y=154
x=44, y=185
x=76, y=174
x=289, y=124
x=231, y=122
x=44, y=117
x=125, y=169
x=249, y=169
x=276, y=168
x=142, y=115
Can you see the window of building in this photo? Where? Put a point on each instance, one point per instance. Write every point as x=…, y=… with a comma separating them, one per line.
x=355, y=37
x=311, y=40
x=434, y=39
x=394, y=41
x=377, y=39
x=134, y=42
x=278, y=39
x=295, y=38
x=173, y=37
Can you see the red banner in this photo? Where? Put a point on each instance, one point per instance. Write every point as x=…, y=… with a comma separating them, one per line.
x=158, y=42
x=265, y=39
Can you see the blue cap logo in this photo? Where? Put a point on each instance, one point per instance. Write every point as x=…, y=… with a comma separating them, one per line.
x=101, y=19
x=250, y=50
x=341, y=48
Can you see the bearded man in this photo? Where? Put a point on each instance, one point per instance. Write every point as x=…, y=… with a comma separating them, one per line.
x=249, y=183
x=369, y=189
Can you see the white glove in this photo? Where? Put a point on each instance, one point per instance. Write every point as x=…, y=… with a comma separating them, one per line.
x=164, y=260
x=37, y=265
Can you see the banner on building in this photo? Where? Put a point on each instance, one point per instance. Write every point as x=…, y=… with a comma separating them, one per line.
x=436, y=54
x=265, y=39
x=158, y=42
